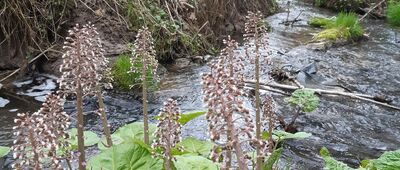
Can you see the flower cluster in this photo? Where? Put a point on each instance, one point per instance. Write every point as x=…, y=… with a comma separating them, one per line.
x=144, y=55
x=83, y=60
x=40, y=135
x=270, y=120
x=222, y=94
x=256, y=38
x=168, y=132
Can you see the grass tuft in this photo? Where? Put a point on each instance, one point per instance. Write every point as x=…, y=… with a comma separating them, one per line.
x=344, y=26
x=119, y=71
x=319, y=22
x=124, y=79
x=393, y=13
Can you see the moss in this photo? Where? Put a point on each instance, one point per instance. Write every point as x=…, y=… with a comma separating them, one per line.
x=319, y=22
x=393, y=13
x=329, y=34
x=344, y=26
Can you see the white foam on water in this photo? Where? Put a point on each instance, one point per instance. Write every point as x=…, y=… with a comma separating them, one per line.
x=21, y=83
x=40, y=98
x=13, y=110
x=48, y=85
x=3, y=102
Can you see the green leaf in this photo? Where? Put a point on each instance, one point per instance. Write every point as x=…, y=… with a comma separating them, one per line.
x=194, y=146
x=188, y=116
x=388, y=161
x=125, y=157
x=305, y=99
x=332, y=164
x=276, y=154
x=282, y=135
x=4, y=151
x=129, y=133
x=90, y=138
x=192, y=162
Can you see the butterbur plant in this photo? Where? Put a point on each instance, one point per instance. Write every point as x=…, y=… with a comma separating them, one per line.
x=80, y=73
x=144, y=54
x=254, y=42
x=40, y=135
x=222, y=94
x=168, y=132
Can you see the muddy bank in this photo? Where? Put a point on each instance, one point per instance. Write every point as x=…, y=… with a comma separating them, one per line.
x=358, y=6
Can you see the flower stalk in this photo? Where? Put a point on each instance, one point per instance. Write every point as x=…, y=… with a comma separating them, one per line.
x=222, y=94
x=255, y=32
x=168, y=132
x=80, y=74
x=144, y=55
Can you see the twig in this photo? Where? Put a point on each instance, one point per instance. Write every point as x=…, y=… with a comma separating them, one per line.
x=321, y=91
x=365, y=15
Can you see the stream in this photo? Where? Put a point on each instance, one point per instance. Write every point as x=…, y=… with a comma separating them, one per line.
x=352, y=130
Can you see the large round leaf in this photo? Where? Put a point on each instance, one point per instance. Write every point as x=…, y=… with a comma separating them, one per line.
x=193, y=162
x=196, y=147
x=90, y=138
x=127, y=156
x=389, y=160
x=129, y=133
x=4, y=151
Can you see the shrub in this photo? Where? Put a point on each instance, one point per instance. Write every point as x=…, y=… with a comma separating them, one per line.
x=393, y=13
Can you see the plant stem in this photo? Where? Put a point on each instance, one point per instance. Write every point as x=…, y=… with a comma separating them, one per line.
x=34, y=148
x=144, y=92
x=297, y=113
x=236, y=144
x=259, y=161
x=79, y=115
x=270, y=128
x=167, y=158
x=81, y=145
x=103, y=116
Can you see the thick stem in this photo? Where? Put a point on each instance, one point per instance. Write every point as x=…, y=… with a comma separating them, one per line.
x=81, y=145
x=168, y=155
x=34, y=149
x=236, y=144
x=103, y=116
x=259, y=161
x=270, y=128
x=145, y=116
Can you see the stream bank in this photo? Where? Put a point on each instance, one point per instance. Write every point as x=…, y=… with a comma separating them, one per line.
x=352, y=130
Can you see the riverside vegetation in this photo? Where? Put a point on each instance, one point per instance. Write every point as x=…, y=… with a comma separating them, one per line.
x=143, y=145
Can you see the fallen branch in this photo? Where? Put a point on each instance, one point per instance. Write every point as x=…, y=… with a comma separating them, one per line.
x=363, y=97
x=366, y=14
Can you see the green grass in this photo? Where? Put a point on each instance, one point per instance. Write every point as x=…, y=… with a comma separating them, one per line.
x=123, y=79
x=344, y=26
x=119, y=71
x=319, y=22
x=393, y=13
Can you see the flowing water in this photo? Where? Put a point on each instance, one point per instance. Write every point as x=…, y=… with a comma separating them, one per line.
x=352, y=130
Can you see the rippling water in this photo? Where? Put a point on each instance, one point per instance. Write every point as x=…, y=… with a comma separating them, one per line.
x=352, y=130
